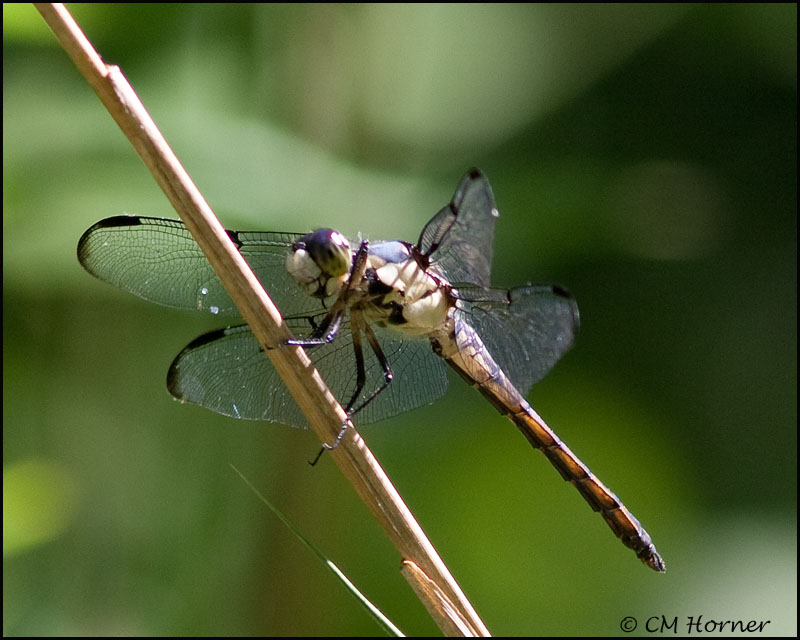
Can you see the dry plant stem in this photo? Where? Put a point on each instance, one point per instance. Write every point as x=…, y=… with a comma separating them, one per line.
x=439, y=605
x=298, y=373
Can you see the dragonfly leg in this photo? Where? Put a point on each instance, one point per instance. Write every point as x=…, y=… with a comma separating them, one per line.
x=358, y=325
x=361, y=377
x=323, y=333
x=329, y=447
x=326, y=331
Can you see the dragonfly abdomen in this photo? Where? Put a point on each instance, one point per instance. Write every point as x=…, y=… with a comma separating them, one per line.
x=470, y=358
x=622, y=522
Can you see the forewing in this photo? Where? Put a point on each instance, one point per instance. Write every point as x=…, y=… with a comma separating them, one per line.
x=458, y=239
x=158, y=260
x=526, y=329
x=227, y=372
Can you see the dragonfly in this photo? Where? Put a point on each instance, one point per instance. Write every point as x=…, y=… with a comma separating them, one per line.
x=418, y=307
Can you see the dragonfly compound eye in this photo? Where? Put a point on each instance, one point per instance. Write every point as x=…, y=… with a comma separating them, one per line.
x=320, y=262
x=330, y=251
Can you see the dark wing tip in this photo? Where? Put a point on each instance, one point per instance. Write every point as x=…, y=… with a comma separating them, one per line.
x=126, y=220
x=563, y=292
x=474, y=179
x=173, y=380
x=472, y=176
x=235, y=238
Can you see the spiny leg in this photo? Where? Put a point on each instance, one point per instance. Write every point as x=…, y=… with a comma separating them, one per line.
x=323, y=333
x=326, y=331
x=358, y=323
x=361, y=377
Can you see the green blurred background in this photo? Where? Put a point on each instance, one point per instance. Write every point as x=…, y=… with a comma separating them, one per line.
x=642, y=155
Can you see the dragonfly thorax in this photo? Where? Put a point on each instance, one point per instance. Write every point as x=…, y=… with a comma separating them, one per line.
x=403, y=295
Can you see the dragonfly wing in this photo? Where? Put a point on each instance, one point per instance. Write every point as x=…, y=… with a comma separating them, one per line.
x=420, y=376
x=458, y=239
x=227, y=371
x=526, y=329
x=158, y=260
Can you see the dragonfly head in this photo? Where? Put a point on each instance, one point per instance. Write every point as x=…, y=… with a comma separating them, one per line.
x=320, y=261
